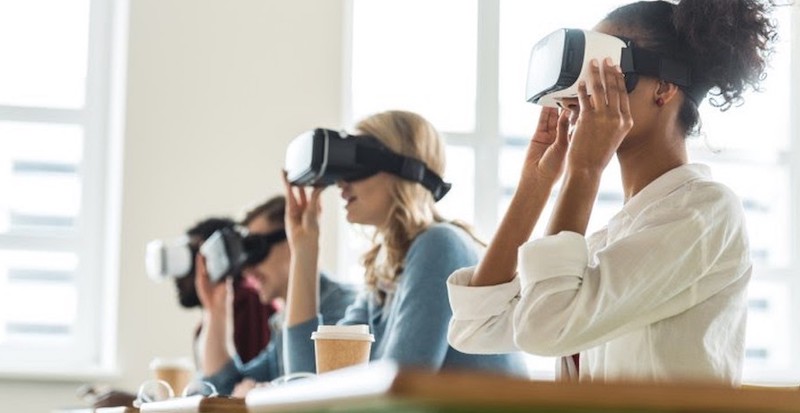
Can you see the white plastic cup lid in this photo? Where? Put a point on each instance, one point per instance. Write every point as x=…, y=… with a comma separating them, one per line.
x=333, y=332
x=172, y=363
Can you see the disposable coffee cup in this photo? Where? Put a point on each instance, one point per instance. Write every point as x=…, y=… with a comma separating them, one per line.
x=338, y=347
x=177, y=371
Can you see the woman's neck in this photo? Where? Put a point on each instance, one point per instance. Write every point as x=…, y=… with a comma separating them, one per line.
x=644, y=160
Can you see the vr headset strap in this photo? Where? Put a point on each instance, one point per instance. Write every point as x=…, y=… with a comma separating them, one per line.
x=405, y=167
x=646, y=62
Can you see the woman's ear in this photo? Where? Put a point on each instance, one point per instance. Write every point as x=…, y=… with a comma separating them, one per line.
x=664, y=93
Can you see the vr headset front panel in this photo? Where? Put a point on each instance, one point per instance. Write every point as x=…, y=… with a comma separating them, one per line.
x=569, y=53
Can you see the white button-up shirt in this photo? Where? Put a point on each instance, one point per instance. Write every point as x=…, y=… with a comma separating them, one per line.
x=659, y=294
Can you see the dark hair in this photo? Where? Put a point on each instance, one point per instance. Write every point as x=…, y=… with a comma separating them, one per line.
x=203, y=229
x=273, y=210
x=187, y=294
x=726, y=42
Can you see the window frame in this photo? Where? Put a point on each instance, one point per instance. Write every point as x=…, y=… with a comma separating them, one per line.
x=95, y=239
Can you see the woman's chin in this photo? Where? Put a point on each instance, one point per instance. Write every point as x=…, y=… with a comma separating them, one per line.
x=352, y=216
x=353, y=219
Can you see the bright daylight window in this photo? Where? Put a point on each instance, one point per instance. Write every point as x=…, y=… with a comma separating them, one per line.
x=53, y=143
x=462, y=64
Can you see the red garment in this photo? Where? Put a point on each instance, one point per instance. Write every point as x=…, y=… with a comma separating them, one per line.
x=251, y=331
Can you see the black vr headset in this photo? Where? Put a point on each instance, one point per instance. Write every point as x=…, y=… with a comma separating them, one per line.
x=322, y=156
x=562, y=58
x=229, y=250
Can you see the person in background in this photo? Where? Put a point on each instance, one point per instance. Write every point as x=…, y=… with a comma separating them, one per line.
x=251, y=332
x=659, y=294
x=414, y=249
x=223, y=367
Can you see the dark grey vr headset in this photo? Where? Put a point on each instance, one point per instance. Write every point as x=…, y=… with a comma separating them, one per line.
x=228, y=250
x=322, y=157
x=562, y=58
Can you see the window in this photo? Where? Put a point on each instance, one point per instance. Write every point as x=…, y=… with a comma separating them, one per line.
x=54, y=164
x=483, y=45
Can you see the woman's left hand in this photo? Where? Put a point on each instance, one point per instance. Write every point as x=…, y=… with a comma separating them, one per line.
x=244, y=387
x=604, y=119
x=213, y=296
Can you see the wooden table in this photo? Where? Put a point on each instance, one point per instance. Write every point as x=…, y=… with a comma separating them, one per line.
x=384, y=387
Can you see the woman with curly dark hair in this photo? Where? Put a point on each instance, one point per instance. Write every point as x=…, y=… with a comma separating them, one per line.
x=659, y=294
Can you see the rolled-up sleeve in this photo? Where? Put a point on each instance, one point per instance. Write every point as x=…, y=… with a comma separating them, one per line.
x=226, y=378
x=299, y=348
x=264, y=367
x=482, y=316
x=662, y=266
x=563, y=254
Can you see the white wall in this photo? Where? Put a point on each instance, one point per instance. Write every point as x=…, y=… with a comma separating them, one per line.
x=216, y=89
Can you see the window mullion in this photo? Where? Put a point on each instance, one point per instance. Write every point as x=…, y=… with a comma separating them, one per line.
x=41, y=115
x=487, y=123
x=38, y=243
x=794, y=177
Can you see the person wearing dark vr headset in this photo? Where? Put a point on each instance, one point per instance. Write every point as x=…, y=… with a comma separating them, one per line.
x=224, y=368
x=251, y=332
x=414, y=249
x=659, y=294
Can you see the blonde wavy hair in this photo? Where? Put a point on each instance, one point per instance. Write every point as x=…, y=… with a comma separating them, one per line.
x=413, y=208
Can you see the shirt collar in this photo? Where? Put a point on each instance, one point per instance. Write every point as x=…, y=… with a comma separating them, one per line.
x=664, y=185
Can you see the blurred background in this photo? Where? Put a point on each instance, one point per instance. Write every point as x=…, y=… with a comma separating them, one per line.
x=122, y=121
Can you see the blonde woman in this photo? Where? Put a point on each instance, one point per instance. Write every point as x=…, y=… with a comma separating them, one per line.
x=414, y=250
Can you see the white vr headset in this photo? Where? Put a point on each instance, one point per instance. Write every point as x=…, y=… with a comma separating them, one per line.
x=169, y=258
x=562, y=58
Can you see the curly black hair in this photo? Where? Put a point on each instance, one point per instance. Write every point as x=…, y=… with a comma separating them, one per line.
x=726, y=42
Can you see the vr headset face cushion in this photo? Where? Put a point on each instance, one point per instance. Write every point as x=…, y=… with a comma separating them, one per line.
x=360, y=169
x=258, y=246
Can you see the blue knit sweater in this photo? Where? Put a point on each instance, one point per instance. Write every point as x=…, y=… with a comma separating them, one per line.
x=269, y=365
x=411, y=327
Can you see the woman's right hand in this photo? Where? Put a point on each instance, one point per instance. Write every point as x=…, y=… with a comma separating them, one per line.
x=213, y=297
x=217, y=301
x=302, y=216
x=544, y=161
